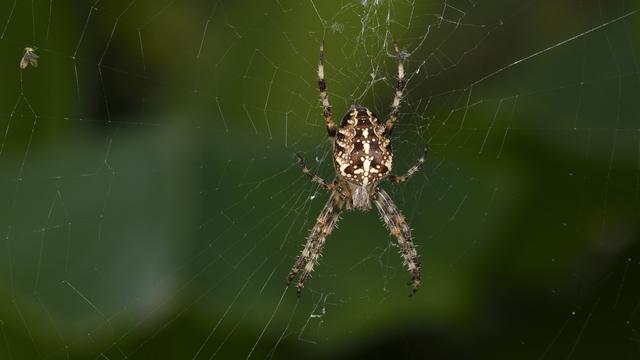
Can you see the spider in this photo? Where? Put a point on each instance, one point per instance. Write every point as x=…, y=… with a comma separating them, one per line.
x=362, y=158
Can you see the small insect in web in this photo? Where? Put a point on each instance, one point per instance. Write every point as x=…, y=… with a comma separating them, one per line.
x=362, y=157
x=29, y=58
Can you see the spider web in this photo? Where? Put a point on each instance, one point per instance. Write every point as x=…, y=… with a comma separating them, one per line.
x=150, y=205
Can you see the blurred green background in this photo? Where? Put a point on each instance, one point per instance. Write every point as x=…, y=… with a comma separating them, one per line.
x=150, y=206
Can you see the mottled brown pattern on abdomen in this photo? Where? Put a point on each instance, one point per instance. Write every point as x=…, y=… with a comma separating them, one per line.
x=362, y=154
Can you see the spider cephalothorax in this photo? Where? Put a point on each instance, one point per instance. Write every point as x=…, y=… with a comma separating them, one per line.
x=362, y=157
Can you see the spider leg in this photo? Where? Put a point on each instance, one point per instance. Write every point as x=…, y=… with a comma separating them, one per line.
x=318, y=180
x=395, y=106
x=315, y=241
x=414, y=169
x=397, y=225
x=315, y=178
x=326, y=108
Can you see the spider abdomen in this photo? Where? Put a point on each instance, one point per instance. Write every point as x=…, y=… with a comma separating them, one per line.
x=362, y=153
